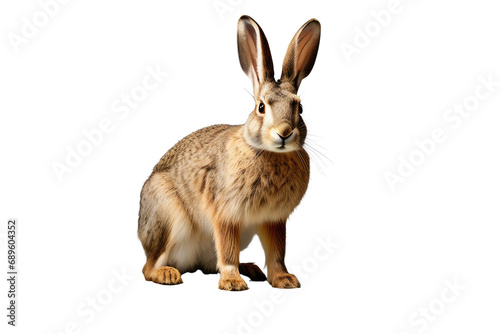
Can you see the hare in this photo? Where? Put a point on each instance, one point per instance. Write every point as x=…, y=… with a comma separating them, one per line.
x=217, y=188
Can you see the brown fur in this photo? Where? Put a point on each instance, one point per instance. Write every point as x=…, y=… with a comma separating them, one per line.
x=217, y=187
x=273, y=239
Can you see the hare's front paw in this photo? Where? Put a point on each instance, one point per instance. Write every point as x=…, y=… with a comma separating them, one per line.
x=284, y=281
x=232, y=283
x=166, y=275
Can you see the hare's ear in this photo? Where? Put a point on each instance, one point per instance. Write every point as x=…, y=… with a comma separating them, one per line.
x=254, y=52
x=301, y=53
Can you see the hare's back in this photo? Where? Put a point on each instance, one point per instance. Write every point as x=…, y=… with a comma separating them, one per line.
x=209, y=141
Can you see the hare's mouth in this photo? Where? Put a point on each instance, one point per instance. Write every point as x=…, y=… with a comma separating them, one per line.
x=284, y=149
x=282, y=143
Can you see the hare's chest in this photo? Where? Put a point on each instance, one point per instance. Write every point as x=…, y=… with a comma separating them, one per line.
x=271, y=190
x=278, y=185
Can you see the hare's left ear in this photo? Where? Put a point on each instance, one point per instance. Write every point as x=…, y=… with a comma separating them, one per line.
x=301, y=53
x=254, y=53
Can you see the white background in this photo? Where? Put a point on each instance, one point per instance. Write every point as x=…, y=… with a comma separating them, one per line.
x=397, y=248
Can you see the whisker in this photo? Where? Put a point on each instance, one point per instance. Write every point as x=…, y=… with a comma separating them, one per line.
x=306, y=166
x=253, y=97
x=313, y=157
x=303, y=161
x=315, y=139
x=318, y=153
x=316, y=142
x=315, y=136
x=318, y=161
x=258, y=154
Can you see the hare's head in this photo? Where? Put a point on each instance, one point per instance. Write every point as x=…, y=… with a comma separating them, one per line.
x=276, y=124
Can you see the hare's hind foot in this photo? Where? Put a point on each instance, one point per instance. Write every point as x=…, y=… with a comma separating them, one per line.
x=166, y=275
x=162, y=275
x=252, y=271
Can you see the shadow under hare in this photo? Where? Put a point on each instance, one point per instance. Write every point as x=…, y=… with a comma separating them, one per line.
x=218, y=187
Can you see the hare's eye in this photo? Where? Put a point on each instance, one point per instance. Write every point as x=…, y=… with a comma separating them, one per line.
x=262, y=108
x=300, y=108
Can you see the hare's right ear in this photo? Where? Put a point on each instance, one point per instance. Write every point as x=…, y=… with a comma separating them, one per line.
x=254, y=53
x=301, y=53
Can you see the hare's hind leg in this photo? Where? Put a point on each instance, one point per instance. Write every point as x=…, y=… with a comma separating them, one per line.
x=155, y=269
x=161, y=275
x=252, y=271
x=161, y=218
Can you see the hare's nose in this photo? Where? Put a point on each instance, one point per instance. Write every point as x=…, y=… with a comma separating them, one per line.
x=284, y=131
